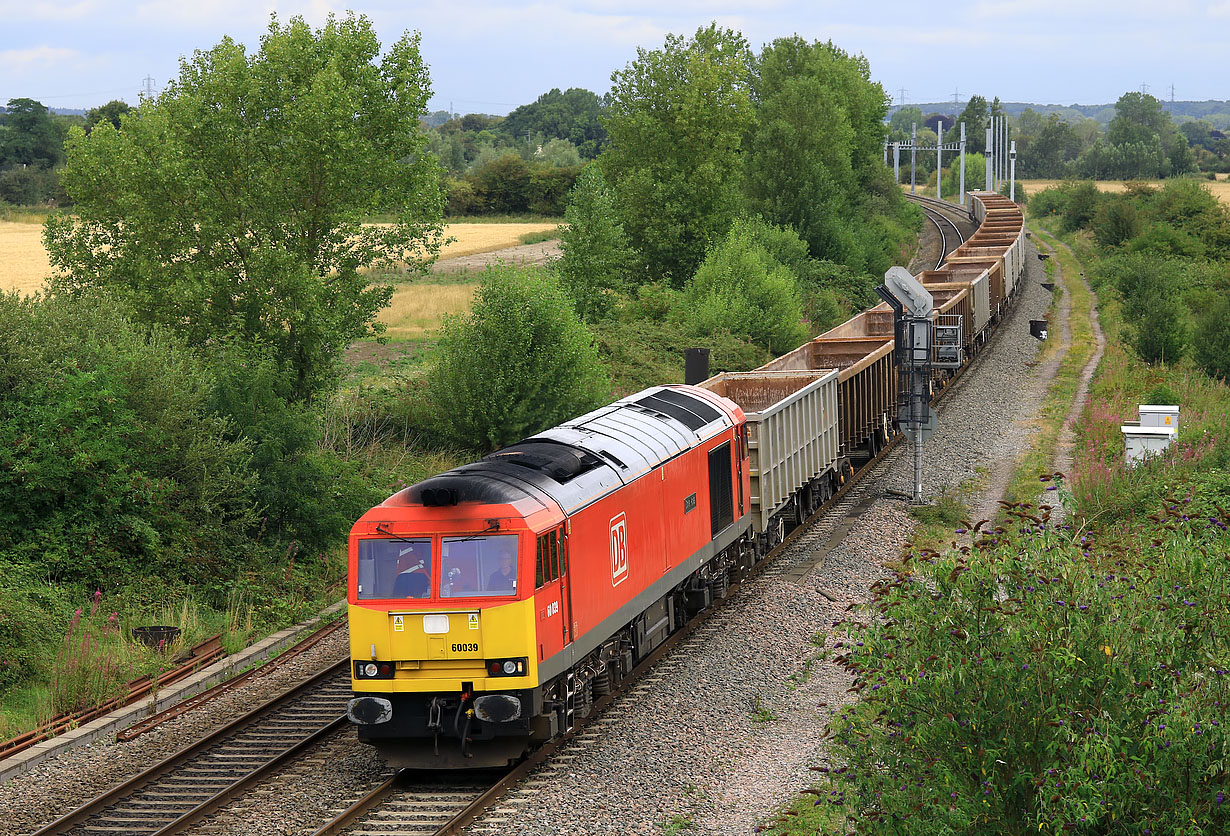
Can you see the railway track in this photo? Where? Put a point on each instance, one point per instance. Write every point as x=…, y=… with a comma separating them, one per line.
x=950, y=235
x=411, y=804
x=175, y=794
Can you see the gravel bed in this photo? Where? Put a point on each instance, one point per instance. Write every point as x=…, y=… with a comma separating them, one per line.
x=62, y=783
x=727, y=728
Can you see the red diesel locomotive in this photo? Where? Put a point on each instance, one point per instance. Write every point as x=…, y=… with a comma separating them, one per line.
x=490, y=605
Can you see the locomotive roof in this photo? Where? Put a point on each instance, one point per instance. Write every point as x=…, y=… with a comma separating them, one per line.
x=586, y=458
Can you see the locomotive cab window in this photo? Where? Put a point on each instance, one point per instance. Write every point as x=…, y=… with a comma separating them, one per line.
x=550, y=561
x=394, y=569
x=721, y=495
x=478, y=567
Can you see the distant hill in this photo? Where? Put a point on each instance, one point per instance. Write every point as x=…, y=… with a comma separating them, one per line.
x=1214, y=111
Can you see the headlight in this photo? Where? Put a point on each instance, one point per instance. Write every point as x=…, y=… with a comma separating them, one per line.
x=369, y=669
x=516, y=666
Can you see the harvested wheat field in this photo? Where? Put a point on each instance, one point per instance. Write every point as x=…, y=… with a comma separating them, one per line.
x=419, y=308
x=24, y=265
x=484, y=238
x=1220, y=188
x=23, y=261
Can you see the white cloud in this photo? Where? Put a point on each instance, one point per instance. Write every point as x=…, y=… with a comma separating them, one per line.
x=22, y=61
x=1219, y=9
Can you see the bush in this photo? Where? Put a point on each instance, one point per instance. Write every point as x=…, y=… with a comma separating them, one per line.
x=1081, y=206
x=502, y=185
x=112, y=464
x=1211, y=340
x=1050, y=201
x=519, y=362
x=1152, y=292
x=742, y=290
x=29, y=186
x=1116, y=221
x=644, y=353
x=308, y=496
x=1045, y=683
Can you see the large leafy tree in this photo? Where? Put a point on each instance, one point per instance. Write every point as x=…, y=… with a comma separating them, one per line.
x=31, y=137
x=574, y=115
x=676, y=122
x=813, y=156
x=231, y=207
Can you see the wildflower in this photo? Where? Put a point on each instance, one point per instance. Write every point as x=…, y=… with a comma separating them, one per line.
x=1106, y=649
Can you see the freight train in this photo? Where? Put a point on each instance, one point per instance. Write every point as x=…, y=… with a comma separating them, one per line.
x=491, y=605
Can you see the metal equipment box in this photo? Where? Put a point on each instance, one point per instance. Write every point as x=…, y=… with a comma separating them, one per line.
x=1155, y=415
x=1141, y=442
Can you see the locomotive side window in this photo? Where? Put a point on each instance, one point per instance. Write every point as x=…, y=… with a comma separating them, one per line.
x=478, y=567
x=551, y=565
x=721, y=497
x=394, y=569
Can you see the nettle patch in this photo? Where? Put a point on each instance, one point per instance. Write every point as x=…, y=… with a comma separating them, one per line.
x=1043, y=679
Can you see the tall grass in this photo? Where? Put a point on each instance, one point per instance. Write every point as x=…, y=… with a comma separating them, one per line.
x=92, y=665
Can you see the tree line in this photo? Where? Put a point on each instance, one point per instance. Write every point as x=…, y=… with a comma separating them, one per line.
x=170, y=405
x=1141, y=141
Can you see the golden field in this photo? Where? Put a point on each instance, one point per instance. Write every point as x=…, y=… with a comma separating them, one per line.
x=24, y=265
x=1220, y=187
x=418, y=309
x=23, y=261
x=485, y=238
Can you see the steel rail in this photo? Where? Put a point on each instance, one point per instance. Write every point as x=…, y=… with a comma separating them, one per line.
x=928, y=204
x=141, y=727
x=168, y=766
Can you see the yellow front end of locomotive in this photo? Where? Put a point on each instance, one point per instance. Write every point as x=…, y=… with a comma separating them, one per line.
x=417, y=650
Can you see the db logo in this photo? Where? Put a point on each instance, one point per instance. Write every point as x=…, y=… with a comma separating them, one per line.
x=619, y=549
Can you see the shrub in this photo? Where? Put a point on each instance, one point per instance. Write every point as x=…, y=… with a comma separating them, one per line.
x=1081, y=206
x=645, y=353
x=596, y=258
x=1047, y=682
x=26, y=624
x=502, y=185
x=111, y=463
x=1211, y=340
x=741, y=289
x=308, y=496
x=1049, y=201
x=1116, y=221
x=517, y=363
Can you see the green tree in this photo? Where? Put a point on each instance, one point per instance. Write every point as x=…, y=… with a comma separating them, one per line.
x=574, y=115
x=742, y=290
x=111, y=463
x=1139, y=118
x=676, y=122
x=112, y=111
x=596, y=260
x=30, y=137
x=232, y=205
x=977, y=117
x=520, y=361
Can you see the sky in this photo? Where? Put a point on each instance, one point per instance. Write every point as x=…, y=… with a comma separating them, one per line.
x=490, y=57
